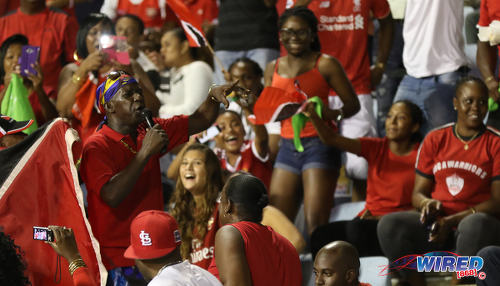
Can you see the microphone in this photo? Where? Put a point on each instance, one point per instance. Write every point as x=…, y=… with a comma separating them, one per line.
x=148, y=116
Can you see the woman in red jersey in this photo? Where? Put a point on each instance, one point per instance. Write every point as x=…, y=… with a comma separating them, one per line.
x=457, y=187
x=391, y=175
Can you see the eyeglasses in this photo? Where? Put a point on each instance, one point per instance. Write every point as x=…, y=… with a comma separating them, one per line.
x=300, y=34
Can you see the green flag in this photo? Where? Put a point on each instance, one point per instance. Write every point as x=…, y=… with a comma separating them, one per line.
x=16, y=104
x=299, y=121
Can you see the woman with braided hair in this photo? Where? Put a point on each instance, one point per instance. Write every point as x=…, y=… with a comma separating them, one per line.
x=247, y=252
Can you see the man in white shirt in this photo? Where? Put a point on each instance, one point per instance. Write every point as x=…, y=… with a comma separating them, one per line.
x=154, y=245
x=433, y=56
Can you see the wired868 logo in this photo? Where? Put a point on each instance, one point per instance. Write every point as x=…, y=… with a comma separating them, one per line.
x=441, y=261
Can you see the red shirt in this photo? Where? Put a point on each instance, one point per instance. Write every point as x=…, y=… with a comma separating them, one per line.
x=313, y=84
x=462, y=177
x=82, y=277
x=490, y=10
x=390, y=177
x=53, y=31
x=202, y=252
x=343, y=33
x=206, y=10
x=104, y=155
x=148, y=10
x=249, y=161
x=272, y=259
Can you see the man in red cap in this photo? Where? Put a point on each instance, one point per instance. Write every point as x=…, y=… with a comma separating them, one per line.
x=154, y=245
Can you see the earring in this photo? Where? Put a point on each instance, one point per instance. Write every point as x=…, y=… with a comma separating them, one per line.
x=454, y=108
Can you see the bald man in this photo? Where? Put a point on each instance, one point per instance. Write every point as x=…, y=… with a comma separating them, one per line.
x=337, y=264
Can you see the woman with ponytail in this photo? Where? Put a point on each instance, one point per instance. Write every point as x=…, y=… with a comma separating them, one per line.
x=247, y=252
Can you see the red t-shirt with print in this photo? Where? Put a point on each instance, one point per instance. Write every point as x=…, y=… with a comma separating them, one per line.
x=462, y=177
x=202, y=252
x=343, y=33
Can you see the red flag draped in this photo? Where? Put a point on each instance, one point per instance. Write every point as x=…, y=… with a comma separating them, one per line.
x=39, y=187
x=189, y=22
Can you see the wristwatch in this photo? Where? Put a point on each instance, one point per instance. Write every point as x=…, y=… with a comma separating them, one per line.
x=340, y=116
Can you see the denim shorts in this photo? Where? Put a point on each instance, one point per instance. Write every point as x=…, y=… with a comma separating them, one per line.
x=315, y=155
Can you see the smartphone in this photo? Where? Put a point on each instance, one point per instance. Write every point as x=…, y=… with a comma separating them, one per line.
x=42, y=233
x=115, y=47
x=209, y=134
x=29, y=56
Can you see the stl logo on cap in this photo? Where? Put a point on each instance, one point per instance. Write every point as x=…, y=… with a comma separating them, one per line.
x=145, y=239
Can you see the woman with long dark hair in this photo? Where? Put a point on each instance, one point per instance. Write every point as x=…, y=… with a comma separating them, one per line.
x=193, y=203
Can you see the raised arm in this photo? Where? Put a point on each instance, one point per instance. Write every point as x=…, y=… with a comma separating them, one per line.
x=207, y=113
x=49, y=111
x=261, y=137
x=486, y=58
x=71, y=78
x=230, y=257
x=328, y=136
x=334, y=74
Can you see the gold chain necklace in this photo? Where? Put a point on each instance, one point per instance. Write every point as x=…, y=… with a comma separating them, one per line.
x=128, y=147
x=466, y=143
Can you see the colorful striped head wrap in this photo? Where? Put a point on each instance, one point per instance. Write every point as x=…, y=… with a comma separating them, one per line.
x=110, y=87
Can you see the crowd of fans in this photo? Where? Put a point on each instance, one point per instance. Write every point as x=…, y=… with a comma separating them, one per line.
x=425, y=160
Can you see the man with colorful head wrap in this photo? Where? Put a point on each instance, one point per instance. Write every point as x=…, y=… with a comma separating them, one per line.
x=120, y=163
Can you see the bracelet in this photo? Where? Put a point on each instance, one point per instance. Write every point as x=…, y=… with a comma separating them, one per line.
x=340, y=116
x=473, y=210
x=489, y=78
x=380, y=65
x=210, y=90
x=76, y=79
x=75, y=264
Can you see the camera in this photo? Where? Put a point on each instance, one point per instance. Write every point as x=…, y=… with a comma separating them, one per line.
x=43, y=233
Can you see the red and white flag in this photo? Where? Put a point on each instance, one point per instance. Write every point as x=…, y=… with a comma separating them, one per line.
x=275, y=104
x=189, y=22
x=39, y=187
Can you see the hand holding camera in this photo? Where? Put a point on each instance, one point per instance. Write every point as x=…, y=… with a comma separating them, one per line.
x=65, y=243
